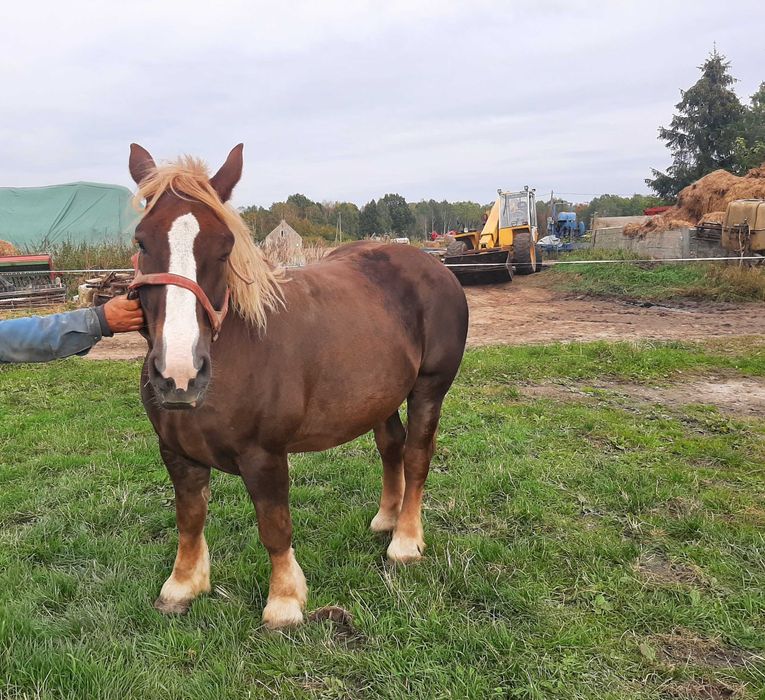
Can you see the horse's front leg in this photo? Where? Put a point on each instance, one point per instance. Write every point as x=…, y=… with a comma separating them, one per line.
x=191, y=573
x=266, y=476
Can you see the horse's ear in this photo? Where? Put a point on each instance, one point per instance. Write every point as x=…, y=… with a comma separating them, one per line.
x=141, y=163
x=224, y=181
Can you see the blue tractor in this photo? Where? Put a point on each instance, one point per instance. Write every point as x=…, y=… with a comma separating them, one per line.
x=565, y=226
x=562, y=231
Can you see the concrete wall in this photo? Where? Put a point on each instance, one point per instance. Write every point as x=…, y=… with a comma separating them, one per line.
x=617, y=221
x=678, y=243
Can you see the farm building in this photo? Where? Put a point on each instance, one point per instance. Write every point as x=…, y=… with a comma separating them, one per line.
x=284, y=245
x=78, y=212
x=284, y=234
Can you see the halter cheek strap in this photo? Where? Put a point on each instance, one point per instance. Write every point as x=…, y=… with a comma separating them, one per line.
x=164, y=278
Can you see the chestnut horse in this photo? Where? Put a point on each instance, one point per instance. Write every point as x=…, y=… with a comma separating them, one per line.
x=303, y=362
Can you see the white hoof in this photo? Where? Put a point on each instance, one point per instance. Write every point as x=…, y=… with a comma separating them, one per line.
x=284, y=607
x=405, y=550
x=383, y=522
x=282, y=612
x=176, y=596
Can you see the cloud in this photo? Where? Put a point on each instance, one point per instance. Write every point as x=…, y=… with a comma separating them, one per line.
x=353, y=99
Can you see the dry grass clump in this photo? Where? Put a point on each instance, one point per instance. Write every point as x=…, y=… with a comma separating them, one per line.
x=712, y=217
x=7, y=248
x=315, y=252
x=282, y=252
x=737, y=282
x=656, y=224
x=705, y=200
x=106, y=255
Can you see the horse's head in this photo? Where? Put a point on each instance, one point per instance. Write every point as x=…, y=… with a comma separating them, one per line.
x=181, y=276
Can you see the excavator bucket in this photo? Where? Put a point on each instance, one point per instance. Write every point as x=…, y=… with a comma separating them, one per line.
x=490, y=266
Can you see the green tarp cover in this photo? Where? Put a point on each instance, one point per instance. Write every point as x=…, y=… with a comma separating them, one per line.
x=80, y=212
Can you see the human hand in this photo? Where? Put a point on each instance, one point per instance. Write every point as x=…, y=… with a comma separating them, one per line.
x=123, y=314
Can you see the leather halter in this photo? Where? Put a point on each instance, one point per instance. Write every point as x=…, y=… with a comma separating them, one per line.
x=164, y=278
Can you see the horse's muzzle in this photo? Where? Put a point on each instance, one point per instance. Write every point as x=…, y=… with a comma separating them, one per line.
x=171, y=397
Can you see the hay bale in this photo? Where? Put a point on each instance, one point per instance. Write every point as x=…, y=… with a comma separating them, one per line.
x=705, y=200
x=707, y=194
x=7, y=248
x=712, y=217
x=656, y=224
x=756, y=173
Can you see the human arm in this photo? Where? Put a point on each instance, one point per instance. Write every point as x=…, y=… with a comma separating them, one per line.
x=45, y=338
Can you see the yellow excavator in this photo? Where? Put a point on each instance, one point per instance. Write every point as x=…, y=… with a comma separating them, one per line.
x=508, y=240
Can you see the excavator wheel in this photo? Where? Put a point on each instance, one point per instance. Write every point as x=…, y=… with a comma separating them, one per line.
x=524, y=254
x=456, y=248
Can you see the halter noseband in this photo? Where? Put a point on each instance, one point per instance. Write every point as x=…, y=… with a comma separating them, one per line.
x=164, y=278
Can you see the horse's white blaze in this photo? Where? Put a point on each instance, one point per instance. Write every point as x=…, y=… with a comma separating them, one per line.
x=181, y=330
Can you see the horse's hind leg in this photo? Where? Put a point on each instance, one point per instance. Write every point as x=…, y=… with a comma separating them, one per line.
x=424, y=410
x=266, y=476
x=191, y=572
x=390, y=437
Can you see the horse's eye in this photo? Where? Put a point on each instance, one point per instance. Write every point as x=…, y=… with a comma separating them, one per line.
x=224, y=257
x=141, y=246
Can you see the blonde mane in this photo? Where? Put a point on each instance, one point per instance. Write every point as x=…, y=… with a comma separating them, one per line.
x=188, y=178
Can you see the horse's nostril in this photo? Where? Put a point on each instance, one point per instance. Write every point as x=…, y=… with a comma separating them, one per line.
x=164, y=384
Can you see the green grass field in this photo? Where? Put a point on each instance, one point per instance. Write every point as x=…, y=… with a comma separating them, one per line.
x=576, y=549
x=655, y=281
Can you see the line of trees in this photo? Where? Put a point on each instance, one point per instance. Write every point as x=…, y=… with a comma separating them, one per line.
x=390, y=214
x=712, y=129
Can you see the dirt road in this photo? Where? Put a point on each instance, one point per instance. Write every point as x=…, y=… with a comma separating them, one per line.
x=527, y=312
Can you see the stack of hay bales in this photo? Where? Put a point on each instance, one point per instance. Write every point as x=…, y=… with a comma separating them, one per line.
x=705, y=201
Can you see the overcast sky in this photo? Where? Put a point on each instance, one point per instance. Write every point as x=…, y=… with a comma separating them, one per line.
x=350, y=100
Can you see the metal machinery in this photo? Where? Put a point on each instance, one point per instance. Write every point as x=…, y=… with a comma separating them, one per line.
x=563, y=230
x=743, y=229
x=29, y=281
x=508, y=239
x=565, y=226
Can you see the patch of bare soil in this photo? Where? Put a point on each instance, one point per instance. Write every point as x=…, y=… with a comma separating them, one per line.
x=526, y=312
x=683, y=648
x=742, y=395
x=734, y=395
x=658, y=569
x=701, y=689
x=125, y=346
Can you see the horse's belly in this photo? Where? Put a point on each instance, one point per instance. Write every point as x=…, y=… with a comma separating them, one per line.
x=349, y=411
x=318, y=441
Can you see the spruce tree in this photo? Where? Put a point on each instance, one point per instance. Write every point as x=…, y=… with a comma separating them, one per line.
x=702, y=134
x=401, y=217
x=369, y=219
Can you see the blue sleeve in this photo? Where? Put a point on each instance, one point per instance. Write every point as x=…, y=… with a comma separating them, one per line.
x=44, y=338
